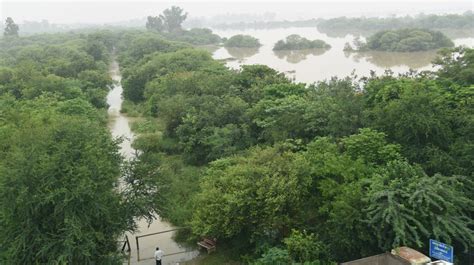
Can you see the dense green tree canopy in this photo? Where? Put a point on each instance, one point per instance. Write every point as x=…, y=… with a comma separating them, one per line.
x=407, y=207
x=58, y=177
x=456, y=66
x=161, y=64
x=61, y=201
x=276, y=181
x=138, y=46
x=67, y=69
x=277, y=171
x=421, y=116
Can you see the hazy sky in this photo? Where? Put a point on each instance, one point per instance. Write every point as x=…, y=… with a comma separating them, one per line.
x=107, y=11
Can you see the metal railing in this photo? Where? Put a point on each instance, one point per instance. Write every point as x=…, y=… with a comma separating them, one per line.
x=157, y=233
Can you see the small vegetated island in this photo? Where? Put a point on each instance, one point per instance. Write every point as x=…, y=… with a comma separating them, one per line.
x=296, y=42
x=405, y=40
x=242, y=41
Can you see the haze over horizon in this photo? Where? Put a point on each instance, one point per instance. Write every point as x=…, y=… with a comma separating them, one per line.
x=107, y=12
x=260, y=132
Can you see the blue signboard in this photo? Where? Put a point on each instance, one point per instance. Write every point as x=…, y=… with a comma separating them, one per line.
x=441, y=251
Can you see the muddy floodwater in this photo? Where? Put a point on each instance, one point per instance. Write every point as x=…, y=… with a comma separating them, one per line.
x=318, y=64
x=119, y=126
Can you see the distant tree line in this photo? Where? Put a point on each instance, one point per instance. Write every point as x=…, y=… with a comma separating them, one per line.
x=371, y=24
x=363, y=24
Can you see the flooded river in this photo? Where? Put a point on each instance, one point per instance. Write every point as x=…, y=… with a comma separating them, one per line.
x=316, y=64
x=304, y=66
x=119, y=126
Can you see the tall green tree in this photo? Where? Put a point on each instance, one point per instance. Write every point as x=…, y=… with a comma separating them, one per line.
x=11, y=29
x=456, y=66
x=60, y=197
x=173, y=18
x=407, y=207
x=61, y=201
x=415, y=114
x=154, y=23
x=256, y=195
x=58, y=180
x=280, y=115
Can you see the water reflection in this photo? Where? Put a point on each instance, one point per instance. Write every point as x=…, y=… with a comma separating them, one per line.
x=143, y=254
x=458, y=33
x=241, y=53
x=413, y=60
x=310, y=67
x=210, y=48
x=296, y=56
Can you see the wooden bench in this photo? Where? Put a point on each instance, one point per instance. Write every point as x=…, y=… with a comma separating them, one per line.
x=208, y=243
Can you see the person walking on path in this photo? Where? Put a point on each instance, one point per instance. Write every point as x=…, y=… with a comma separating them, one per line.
x=158, y=255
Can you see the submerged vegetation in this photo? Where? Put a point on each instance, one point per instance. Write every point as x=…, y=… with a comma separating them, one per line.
x=408, y=40
x=402, y=40
x=296, y=42
x=242, y=41
x=279, y=172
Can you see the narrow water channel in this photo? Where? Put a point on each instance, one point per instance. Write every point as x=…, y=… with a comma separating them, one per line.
x=119, y=126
